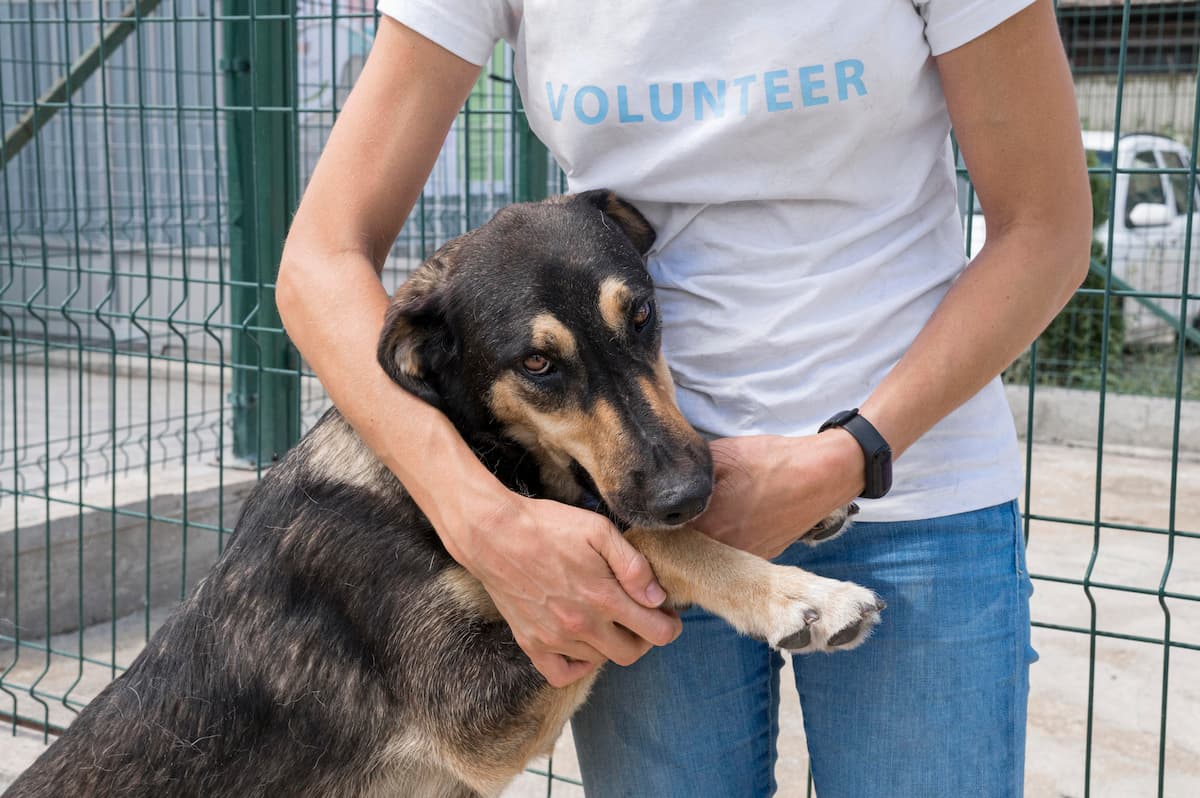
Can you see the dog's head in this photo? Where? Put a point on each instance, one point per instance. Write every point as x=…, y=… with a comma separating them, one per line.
x=542, y=325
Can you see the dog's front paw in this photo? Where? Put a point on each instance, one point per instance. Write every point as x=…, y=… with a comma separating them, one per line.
x=811, y=613
x=833, y=525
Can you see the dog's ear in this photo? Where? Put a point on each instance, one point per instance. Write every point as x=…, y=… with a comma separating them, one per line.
x=626, y=216
x=416, y=342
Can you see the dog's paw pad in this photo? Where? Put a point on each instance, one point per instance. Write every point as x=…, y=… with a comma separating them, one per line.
x=789, y=623
x=797, y=641
x=846, y=635
x=836, y=615
x=862, y=620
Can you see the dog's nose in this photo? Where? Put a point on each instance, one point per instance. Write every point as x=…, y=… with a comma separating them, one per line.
x=681, y=503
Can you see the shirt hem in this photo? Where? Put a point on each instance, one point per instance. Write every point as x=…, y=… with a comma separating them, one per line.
x=441, y=29
x=927, y=504
x=971, y=23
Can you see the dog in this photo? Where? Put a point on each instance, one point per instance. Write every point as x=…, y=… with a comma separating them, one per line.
x=337, y=649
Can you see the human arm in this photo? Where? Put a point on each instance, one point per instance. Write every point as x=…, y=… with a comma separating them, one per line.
x=561, y=576
x=1011, y=102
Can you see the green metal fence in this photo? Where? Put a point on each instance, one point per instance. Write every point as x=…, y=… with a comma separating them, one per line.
x=150, y=164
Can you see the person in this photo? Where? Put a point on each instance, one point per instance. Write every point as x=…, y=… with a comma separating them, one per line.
x=795, y=161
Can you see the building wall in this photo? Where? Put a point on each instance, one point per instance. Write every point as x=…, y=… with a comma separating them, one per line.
x=1161, y=103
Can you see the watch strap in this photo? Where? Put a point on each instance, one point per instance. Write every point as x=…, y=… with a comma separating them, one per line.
x=877, y=452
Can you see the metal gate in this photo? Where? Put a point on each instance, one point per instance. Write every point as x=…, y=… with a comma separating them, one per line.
x=145, y=381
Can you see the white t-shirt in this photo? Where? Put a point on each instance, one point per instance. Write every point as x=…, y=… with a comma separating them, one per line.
x=794, y=159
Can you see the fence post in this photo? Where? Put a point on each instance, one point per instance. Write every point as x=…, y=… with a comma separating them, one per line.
x=260, y=88
x=532, y=162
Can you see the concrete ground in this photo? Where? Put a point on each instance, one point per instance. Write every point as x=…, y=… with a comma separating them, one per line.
x=1127, y=683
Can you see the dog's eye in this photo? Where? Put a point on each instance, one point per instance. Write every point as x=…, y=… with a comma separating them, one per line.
x=643, y=315
x=537, y=365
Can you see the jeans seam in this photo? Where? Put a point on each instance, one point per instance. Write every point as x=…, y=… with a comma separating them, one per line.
x=1020, y=657
x=1014, y=510
x=766, y=769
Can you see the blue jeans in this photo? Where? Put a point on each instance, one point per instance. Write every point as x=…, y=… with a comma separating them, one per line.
x=931, y=706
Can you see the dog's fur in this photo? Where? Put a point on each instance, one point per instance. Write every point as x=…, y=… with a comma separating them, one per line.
x=337, y=649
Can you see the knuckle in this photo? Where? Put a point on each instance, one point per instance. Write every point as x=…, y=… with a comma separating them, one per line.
x=606, y=602
x=636, y=565
x=574, y=623
x=596, y=533
x=633, y=653
x=664, y=633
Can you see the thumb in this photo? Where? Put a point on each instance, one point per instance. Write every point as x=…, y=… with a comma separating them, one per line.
x=630, y=567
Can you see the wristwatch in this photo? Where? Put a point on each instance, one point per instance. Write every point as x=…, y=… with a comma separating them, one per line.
x=875, y=449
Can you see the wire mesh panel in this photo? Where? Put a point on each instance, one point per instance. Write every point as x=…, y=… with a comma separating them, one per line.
x=121, y=312
x=145, y=382
x=1116, y=562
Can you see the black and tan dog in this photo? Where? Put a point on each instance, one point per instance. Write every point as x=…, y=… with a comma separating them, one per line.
x=337, y=650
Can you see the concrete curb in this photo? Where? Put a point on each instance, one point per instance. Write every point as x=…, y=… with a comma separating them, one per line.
x=1064, y=415
x=135, y=537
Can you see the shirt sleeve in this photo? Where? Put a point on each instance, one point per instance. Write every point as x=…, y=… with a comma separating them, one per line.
x=467, y=28
x=953, y=23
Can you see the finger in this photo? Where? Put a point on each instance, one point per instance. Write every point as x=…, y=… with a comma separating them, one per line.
x=573, y=650
x=619, y=644
x=580, y=651
x=561, y=671
x=658, y=627
x=631, y=569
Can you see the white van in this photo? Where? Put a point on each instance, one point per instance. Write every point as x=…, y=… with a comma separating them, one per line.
x=1149, y=231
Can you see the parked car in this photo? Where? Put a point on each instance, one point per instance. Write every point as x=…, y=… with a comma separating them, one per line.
x=1149, y=231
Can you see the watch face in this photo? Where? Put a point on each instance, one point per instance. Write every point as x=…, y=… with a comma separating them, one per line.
x=875, y=449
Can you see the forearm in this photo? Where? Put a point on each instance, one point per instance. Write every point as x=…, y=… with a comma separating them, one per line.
x=1011, y=102
x=999, y=305
x=553, y=565
x=333, y=307
x=330, y=298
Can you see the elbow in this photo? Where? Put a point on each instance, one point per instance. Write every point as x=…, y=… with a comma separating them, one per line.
x=1077, y=256
x=1066, y=243
x=289, y=287
x=1078, y=232
x=1074, y=261
x=1080, y=245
